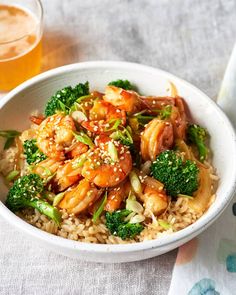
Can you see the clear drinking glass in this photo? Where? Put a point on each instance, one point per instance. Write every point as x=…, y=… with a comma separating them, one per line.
x=20, y=41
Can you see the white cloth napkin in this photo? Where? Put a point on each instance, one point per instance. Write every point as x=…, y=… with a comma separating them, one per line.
x=207, y=264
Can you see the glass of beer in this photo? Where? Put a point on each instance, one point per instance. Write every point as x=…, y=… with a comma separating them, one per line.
x=20, y=41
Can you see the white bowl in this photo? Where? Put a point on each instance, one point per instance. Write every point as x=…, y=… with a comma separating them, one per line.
x=31, y=95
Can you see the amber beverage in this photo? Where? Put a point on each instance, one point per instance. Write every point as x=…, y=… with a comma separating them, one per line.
x=20, y=41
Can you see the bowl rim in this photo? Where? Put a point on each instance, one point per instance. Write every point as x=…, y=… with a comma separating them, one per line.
x=165, y=240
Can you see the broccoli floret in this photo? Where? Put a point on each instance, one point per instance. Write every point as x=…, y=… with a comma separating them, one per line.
x=65, y=98
x=32, y=152
x=25, y=193
x=198, y=135
x=125, y=84
x=119, y=227
x=177, y=176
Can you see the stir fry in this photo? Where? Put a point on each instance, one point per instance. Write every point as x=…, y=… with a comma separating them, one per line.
x=116, y=154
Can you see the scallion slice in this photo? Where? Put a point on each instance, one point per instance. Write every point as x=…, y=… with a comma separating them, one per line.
x=84, y=138
x=58, y=198
x=164, y=224
x=12, y=175
x=113, y=151
x=98, y=212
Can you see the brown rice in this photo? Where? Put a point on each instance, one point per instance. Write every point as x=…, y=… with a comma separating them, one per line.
x=178, y=216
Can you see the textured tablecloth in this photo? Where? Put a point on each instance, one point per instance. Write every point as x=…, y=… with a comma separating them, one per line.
x=192, y=39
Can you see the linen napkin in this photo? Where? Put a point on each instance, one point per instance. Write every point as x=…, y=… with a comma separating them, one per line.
x=207, y=264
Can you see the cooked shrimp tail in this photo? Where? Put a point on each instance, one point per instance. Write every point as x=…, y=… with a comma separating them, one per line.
x=79, y=198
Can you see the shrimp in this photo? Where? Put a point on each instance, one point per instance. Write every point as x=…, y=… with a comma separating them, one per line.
x=95, y=205
x=46, y=168
x=76, y=149
x=101, y=116
x=54, y=134
x=67, y=174
x=126, y=100
x=157, y=102
x=131, y=101
x=80, y=197
x=154, y=200
x=97, y=94
x=101, y=169
x=153, y=196
x=116, y=196
x=156, y=137
x=178, y=116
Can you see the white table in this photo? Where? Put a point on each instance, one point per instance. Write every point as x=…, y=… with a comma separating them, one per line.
x=192, y=39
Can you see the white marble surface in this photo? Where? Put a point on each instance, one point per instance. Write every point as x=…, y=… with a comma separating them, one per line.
x=192, y=39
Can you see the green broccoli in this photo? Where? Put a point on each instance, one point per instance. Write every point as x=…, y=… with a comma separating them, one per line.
x=117, y=225
x=63, y=99
x=125, y=84
x=177, y=176
x=32, y=152
x=25, y=193
x=198, y=135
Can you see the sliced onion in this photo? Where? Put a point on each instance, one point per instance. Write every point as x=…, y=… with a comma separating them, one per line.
x=127, y=218
x=135, y=182
x=146, y=167
x=154, y=219
x=133, y=205
x=137, y=219
x=173, y=89
x=79, y=116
